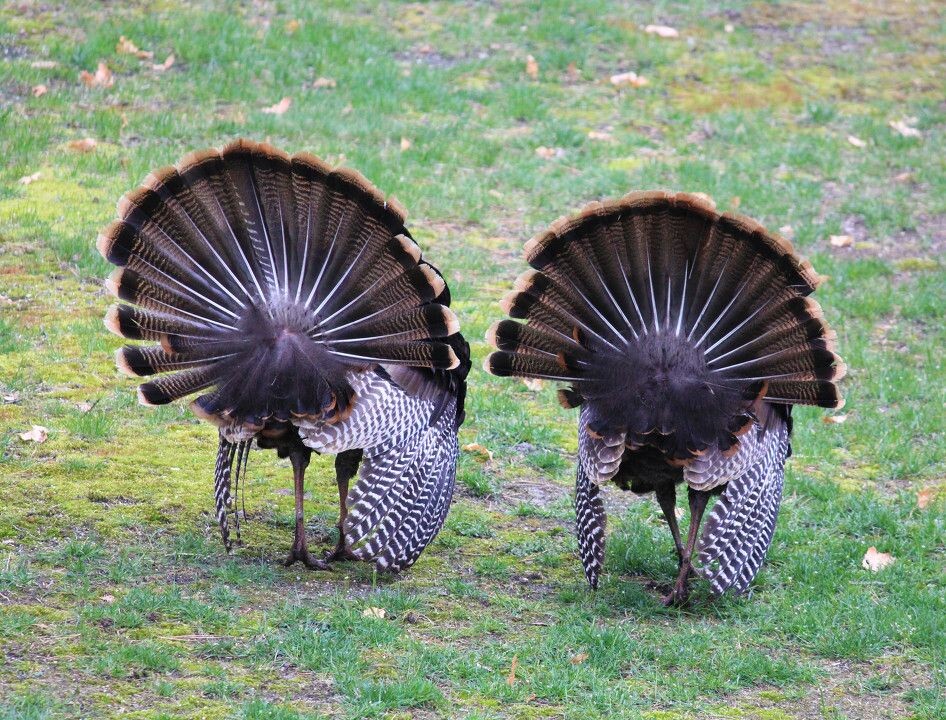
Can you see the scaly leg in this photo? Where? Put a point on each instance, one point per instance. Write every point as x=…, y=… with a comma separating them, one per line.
x=667, y=497
x=346, y=466
x=681, y=590
x=300, y=551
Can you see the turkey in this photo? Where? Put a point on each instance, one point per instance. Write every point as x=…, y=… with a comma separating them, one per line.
x=684, y=337
x=292, y=298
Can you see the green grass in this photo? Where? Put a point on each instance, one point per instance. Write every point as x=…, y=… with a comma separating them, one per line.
x=115, y=596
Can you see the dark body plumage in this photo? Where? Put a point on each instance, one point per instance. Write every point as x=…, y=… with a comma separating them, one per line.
x=685, y=337
x=291, y=296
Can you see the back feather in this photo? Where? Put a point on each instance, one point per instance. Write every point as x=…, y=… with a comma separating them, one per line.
x=266, y=279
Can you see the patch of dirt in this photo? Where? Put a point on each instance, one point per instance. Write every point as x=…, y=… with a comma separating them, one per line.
x=918, y=248
x=537, y=493
x=842, y=693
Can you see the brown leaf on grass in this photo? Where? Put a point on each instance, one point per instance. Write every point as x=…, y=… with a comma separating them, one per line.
x=664, y=31
x=36, y=434
x=834, y=419
x=127, y=47
x=166, y=65
x=841, y=241
x=374, y=612
x=600, y=135
x=532, y=68
x=279, y=108
x=323, y=82
x=548, y=153
x=735, y=201
x=924, y=497
x=84, y=145
x=905, y=127
x=511, y=678
x=903, y=177
x=44, y=64
x=102, y=77
x=572, y=73
x=787, y=231
x=39, y=90
x=534, y=384
x=856, y=141
x=292, y=26
x=108, y=599
x=11, y=398
x=479, y=450
x=876, y=561
x=405, y=144
x=578, y=658
x=29, y=179
x=629, y=79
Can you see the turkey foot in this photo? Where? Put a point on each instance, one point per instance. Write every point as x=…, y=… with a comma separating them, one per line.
x=341, y=552
x=302, y=554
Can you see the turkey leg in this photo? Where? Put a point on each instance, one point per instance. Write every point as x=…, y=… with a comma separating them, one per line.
x=681, y=590
x=300, y=551
x=346, y=465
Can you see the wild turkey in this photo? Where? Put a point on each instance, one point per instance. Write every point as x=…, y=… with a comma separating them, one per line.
x=292, y=296
x=685, y=337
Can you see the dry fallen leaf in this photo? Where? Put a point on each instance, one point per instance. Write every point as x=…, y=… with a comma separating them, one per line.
x=511, y=678
x=841, y=241
x=628, y=79
x=924, y=498
x=903, y=177
x=735, y=201
x=124, y=46
x=481, y=450
x=663, y=31
x=44, y=64
x=532, y=68
x=292, y=26
x=599, y=135
x=84, y=145
x=572, y=73
x=27, y=179
x=405, y=144
x=39, y=90
x=166, y=65
x=834, y=419
x=279, y=108
x=856, y=141
x=36, y=434
x=108, y=599
x=787, y=231
x=323, y=82
x=374, y=612
x=905, y=127
x=11, y=398
x=578, y=659
x=534, y=384
x=101, y=78
x=678, y=512
x=876, y=561
x=549, y=153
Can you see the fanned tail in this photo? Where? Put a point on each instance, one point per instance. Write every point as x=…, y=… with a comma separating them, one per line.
x=266, y=279
x=670, y=321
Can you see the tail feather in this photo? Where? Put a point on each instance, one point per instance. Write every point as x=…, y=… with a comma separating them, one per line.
x=267, y=278
x=670, y=319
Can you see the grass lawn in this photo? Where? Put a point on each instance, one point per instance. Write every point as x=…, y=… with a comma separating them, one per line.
x=115, y=595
